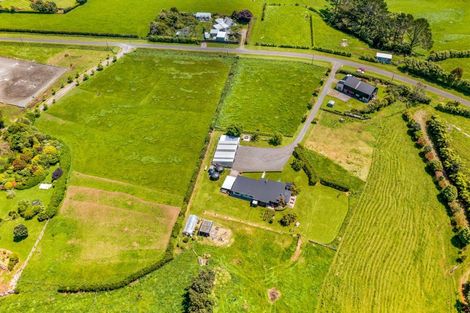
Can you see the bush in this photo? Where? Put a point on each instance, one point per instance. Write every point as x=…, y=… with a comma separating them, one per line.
x=449, y=193
x=60, y=185
x=288, y=219
x=297, y=165
x=454, y=107
x=243, y=16
x=464, y=236
x=198, y=297
x=234, y=131
x=12, y=261
x=20, y=232
x=276, y=139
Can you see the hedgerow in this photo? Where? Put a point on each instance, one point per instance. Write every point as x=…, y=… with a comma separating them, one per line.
x=60, y=185
x=454, y=107
x=448, y=54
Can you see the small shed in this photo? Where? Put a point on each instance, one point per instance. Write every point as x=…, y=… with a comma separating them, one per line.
x=205, y=229
x=383, y=57
x=228, y=184
x=203, y=16
x=190, y=226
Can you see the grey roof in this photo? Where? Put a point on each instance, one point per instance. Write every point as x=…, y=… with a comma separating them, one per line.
x=262, y=190
x=190, y=225
x=206, y=226
x=359, y=85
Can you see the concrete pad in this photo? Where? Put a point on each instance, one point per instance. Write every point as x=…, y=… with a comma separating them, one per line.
x=253, y=159
x=22, y=81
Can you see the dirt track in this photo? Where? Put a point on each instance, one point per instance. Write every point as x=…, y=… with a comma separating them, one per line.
x=22, y=81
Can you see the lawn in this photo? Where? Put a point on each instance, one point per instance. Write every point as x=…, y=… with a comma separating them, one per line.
x=100, y=236
x=265, y=99
x=145, y=118
x=284, y=25
x=451, y=64
x=25, y=5
x=256, y=261
x=349, y=143
x=449, y=20
x=321, y=210
x=107, y=16
x=397, y=247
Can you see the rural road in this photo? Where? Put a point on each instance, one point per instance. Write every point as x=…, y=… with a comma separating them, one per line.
x=329, y=59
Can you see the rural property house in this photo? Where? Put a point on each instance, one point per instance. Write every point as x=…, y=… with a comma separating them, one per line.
x=354, y=87
x=261, y=192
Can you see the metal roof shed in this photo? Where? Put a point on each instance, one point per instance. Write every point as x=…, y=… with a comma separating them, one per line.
x=190, y=225
x=205, y=228
x=228, y=183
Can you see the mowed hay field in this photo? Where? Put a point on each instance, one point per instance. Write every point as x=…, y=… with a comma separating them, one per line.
x=269, y=95
x=396, y=253
x=118, y=16
x=284, y=25
x=144, y=121
x=449, y=20
x=99, y=237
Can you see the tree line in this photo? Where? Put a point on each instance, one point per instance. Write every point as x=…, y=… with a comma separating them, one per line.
x=455, y=108
x=371, y=21
x=448, y=54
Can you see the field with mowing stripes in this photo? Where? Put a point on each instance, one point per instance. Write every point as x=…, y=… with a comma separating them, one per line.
x=396, y=253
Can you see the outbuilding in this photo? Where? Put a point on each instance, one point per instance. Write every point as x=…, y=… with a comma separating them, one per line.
x=383, y=57
x=205, y=229
x=354, y=87
x=226, y=150
x=203, y=16
x=190, y=226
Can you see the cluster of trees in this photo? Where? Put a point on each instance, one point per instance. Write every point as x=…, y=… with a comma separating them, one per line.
x=169, y=21
x=448, y=54
x=454, y=107
x=198, y=297
x=451, y=161
x=29, y=209
x=393, y=93
x=433, y=72
x=234, y=131
x=288, y=219
x=276, y=139
x=48, y=7
x=371, y=21
x=28, y=157
x=243, y=16
x=449, y=194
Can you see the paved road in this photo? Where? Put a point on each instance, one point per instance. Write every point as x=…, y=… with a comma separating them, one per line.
x=330, y=59
x=254, y=159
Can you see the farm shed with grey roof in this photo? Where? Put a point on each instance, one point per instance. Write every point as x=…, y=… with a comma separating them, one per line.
x=190, y=226
x=205, y=228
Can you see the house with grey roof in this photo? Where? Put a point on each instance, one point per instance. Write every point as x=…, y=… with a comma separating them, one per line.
x=261, y=192
x=354, y=87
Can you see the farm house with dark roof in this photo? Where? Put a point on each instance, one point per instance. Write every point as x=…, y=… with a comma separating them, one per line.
x=354, y=87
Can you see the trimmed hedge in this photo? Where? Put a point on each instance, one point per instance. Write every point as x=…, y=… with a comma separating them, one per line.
x=31, y=182
x=342, y=53
x=299, y=153
x=169, y=39
x=448, y=54
x=60, y=185
x=455, y=108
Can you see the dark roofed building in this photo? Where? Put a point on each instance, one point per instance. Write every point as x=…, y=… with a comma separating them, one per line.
x=205, y=229
x=264, y=192
x=355, y=87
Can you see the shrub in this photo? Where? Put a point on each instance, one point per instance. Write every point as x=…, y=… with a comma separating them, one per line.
x=464, y=236
x=234, y=131
x=268, y=216
x=12, y=261
x=243, y=16
x=288, y=219
x=199, y=293
x=11, y=194
x=20, y=232
x=99, y=67
x=255, y=137
x=449, y=193
x=435, y=165
x=276, y=139
x=297, y=165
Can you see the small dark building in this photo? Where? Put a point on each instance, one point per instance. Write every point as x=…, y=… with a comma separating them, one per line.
x=354, y=87
x=205, y=229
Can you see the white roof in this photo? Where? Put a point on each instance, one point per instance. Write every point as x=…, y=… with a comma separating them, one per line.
x=223, y=25
x=228, y=182
x=45, y=186
x=218, y=26
x=203, y=14
x=214, y=31
x=225, y=139
x=219, y=20
x=221, y=34
x=224, y=155
x=227, y=147
x=383, y=55
x=190, y=225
